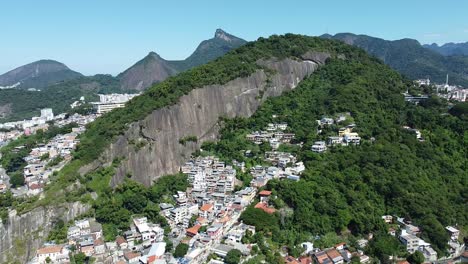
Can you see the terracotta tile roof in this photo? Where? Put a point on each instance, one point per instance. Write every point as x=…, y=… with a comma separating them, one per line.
x=49, y=250
x=305, y=260
x=35, y=186
x=120, y=240
x=265, y=208
x=403, y=262
x=340, y=244
x=202, y=220
x=290, y=260
x=333, y=253
x=98, y=242
x=264, y=193
x=206, y=207
x=131, y=255
x=193, y=230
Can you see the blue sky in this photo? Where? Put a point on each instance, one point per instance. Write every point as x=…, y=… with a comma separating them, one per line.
x=108, y=36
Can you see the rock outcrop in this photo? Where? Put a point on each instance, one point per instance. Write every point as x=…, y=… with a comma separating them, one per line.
x=22, y=235
x=152, y=148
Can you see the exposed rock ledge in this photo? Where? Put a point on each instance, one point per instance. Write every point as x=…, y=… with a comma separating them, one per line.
x=197, y=114
x=24, y=234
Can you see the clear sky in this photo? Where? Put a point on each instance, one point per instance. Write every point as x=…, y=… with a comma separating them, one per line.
x=108, y=36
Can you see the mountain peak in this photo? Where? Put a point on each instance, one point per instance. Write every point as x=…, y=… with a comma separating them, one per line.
x=38, y=74
x=221, y=34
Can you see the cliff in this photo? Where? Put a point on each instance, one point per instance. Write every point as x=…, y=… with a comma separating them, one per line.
x=151, y=147
x=23, y=234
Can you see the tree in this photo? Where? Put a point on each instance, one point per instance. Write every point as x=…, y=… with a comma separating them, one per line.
x=181, y=250
x=416, y=258
x=48, y=260
x=17, y=179
x=233, y=256
x=80, y=258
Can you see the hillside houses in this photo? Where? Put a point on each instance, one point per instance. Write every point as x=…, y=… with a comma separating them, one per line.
x=274, y=135
x=346, y=136
x=142, y=243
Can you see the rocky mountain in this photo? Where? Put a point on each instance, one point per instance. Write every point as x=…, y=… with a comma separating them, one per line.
x=60, y=86
x=145, y=72
x=410, y=58
x=154, y=69
x=38, y=74
x=449, y=49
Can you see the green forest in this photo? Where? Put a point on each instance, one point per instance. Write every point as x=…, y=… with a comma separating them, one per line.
x=348, y=189
x=25, y=104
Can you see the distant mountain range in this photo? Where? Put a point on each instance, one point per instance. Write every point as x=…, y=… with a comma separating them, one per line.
x=62, y=86
x=449, y=49
x=411, y=58
x=152, y=68
x=38, y=74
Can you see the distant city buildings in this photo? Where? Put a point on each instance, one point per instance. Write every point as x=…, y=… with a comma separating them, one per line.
x=447, y=91
x=108, y=102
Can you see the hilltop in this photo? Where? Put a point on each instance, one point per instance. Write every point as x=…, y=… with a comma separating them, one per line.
x=410, y=58
x=153, y=69
x=449, y=49
x=38, y=75
x=60, y=87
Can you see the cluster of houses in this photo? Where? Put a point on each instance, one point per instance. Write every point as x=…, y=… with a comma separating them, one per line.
x=338, y=254
x=44, y=159
x=143, y=243
x=449, y=92
x=37, y=171
x=274, y=134
x=9, y=135
x=409, y=237
x=206, y=212
x=46, y=115
x=283, y=165
x=345, y=136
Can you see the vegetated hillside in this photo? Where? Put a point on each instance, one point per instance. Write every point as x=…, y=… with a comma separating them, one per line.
x=410, y=58
x=449, y=49
x=153, y=69
x=344, y=189
x=20, y=104
x=240, y=63
x=60, y=93
x=38, y=74
x=348, y=189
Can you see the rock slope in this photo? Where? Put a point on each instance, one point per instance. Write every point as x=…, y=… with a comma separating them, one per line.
x=197, y=114
x=23, y=234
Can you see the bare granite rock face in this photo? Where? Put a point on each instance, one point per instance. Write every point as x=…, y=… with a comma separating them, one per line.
x=151, y=147
x=23, y=234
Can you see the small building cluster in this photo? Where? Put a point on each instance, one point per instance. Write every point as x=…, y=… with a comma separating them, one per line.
x=143, y=243
x=46, y=115
x=109, y=102
x=346, y=136
x=338, y=254
x=274, y=134
x=44, y=159
x=408, y=235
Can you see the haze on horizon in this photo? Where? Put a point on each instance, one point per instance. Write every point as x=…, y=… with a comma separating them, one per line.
x=109, y=36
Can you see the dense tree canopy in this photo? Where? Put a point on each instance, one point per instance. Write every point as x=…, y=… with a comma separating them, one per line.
x=391, y=172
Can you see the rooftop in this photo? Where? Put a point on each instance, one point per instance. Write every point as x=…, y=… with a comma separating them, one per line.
x=50, y=249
